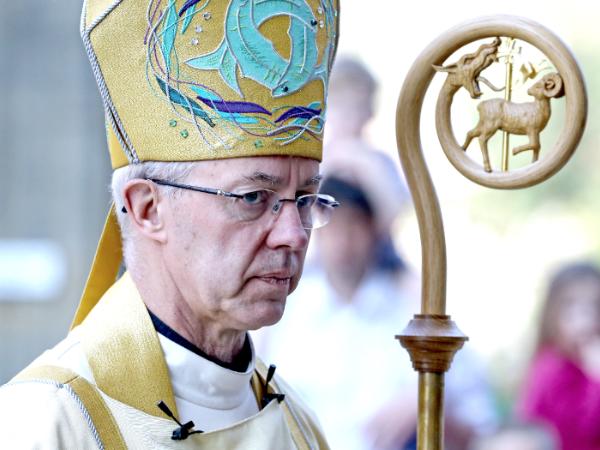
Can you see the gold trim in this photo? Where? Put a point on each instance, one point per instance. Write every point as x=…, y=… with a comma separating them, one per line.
x=102, y=419
x=104, y=268
x=295, y=426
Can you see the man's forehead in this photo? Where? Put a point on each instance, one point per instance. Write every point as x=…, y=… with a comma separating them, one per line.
x=267, y=170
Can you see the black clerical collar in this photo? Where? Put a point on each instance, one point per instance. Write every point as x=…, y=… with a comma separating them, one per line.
x=239, y=364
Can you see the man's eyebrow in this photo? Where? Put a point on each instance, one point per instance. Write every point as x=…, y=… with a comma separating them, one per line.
x=261, y=177
x=313, y=181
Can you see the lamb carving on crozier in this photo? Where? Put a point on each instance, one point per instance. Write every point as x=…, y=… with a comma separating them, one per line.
x=517, y=118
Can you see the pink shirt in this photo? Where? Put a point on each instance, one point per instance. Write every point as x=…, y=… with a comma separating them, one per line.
x=558, y=393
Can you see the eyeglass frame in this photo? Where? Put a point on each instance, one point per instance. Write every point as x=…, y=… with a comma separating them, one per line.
x=332, y=202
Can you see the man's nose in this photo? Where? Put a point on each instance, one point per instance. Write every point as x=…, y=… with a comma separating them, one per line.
x=287, y=229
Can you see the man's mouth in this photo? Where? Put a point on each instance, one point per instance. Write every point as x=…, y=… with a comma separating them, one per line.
x=277, y=281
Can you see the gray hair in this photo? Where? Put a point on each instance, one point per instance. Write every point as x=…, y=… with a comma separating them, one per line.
x=172, y=171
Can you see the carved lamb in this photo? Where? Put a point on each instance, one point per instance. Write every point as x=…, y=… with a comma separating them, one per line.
x=517, y=118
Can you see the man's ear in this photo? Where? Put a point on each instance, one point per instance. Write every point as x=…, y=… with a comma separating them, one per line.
x=145, y=208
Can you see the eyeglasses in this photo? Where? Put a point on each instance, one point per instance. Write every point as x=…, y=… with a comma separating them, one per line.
x=314, y=209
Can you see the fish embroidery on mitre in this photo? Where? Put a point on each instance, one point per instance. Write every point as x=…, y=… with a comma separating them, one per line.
x=221, y=109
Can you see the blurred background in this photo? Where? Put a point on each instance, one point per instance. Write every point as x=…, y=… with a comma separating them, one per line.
x=502, y=246
x=53, y=176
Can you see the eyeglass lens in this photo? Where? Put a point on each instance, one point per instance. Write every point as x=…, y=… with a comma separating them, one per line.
x=314, y=209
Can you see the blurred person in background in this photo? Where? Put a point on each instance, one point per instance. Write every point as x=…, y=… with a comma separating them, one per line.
x=351, y=103
x=350, y=109
x=517, y=437
x=562, y=386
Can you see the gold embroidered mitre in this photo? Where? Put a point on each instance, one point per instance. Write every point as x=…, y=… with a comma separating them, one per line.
x=186, y=80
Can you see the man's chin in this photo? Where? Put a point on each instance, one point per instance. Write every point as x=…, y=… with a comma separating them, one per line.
x=268, y=313
x=266, y=301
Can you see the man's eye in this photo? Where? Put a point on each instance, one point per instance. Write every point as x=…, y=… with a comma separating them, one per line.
x=254, y=197
x=306, y=200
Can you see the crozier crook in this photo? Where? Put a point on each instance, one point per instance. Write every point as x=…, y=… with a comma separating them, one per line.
x=431, y=338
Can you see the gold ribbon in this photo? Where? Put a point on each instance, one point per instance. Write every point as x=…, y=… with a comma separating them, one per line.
x=104, y=268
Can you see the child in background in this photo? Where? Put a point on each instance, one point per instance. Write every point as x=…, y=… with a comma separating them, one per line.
x=562, y=387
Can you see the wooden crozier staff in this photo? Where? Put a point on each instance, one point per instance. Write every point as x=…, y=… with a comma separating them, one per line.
x=431, y=338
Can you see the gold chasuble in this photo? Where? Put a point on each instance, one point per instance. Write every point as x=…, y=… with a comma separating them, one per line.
x=131, y=378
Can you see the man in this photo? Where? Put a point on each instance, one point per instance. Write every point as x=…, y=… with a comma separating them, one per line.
x=215, y=113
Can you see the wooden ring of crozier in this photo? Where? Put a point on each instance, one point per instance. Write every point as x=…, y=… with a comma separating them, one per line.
x=575, y=96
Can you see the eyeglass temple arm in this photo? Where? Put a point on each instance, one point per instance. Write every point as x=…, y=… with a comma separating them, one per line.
x=195, y=188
